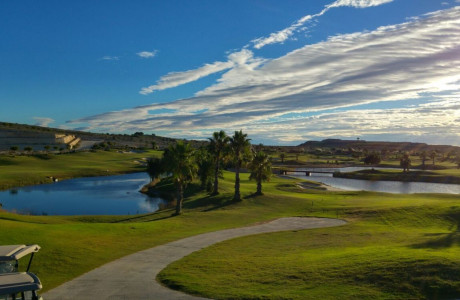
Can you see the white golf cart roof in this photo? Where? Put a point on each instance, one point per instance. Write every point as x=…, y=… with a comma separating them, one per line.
x=15, y=252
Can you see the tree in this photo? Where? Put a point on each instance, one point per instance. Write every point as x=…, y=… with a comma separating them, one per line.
x=282, y=156
x=155, y=168
x=28, y=149
x=372, y=159
x=433, y=155
x=205, y=168
x=14, y=148
x=261, y=169
x=47, y=148
x=423, y=155
x=405, y=162
x=240, y=145
x=217, y=146
x=179, y=161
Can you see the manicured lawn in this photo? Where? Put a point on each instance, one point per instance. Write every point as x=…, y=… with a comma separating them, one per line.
x=395, y=246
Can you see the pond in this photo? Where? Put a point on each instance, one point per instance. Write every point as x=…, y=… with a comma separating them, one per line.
x=397, y=187
x=106, y=195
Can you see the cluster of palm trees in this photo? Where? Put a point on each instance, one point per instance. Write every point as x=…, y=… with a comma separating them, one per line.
x=183, y=164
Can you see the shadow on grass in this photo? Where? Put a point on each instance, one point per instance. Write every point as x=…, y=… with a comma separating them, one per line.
x=417, y=279
x=444, y=240
x=210, y=202
x=7, y=162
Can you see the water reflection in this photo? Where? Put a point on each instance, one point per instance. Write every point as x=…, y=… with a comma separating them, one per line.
x=397, y=187
x=111, y=195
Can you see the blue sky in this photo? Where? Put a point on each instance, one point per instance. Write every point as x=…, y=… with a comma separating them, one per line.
x=283, y=71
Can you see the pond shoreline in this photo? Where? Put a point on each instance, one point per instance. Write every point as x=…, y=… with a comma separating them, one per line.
x=410, y=176
x=100, y=195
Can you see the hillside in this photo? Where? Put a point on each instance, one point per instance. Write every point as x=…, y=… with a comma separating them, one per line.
x=379, y=146
x=37, y=138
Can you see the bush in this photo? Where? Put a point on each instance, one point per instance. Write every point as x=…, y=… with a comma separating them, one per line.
x=372, y=159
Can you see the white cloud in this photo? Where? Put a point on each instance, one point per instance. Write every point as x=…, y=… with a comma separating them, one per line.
x=175, y=79
x=444, y=3
x=147, y=54
x=358, y=3
x=43, y=122
x=419, y=59
x=107, y=57
x=284, y=34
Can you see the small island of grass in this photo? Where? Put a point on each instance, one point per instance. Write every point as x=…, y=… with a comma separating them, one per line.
x=396, y=175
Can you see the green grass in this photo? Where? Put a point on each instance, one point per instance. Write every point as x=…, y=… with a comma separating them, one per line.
x=395, y=246
x=313, y=159
x=442, y=176
x=28, y=170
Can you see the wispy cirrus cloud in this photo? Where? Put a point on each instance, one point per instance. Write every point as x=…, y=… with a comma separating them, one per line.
x=244, y=56
x=44, y=122
x=147, y=54
x=286, y=33
x=175, y=79
x=413, y=60
x=420, y=123
x=108, y=57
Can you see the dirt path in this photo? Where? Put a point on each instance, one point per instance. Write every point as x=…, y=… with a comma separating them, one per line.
x=133, y=276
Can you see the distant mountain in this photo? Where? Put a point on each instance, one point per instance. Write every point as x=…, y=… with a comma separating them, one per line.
x=378, y=146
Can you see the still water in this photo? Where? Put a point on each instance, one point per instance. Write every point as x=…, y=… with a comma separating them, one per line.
x=397, y=187
x=107, y=195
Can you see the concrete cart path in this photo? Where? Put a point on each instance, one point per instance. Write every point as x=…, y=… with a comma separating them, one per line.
x=133, y=276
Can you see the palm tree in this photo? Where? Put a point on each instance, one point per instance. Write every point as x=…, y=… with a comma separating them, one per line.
x=261, y=169
x=205, y=164
x=217, y=145
x=433, y=156
x=405, y=162
x=240, y=145
x=423, y=156
x=179, y=161
x=154, y=168
x=282, y=156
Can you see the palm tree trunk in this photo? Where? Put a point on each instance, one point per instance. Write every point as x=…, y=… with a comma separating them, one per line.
x=216, y=178
x=237, y=196
x=180, y=199
x=259, y=187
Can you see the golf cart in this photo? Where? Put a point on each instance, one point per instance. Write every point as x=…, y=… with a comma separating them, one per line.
x=12, y=282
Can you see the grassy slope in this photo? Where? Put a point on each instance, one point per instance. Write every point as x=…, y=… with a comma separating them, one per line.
x=395, y=246
x=27, y=170
x=389, y=237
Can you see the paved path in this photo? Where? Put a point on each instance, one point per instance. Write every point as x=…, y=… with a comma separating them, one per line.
x=133, y=276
